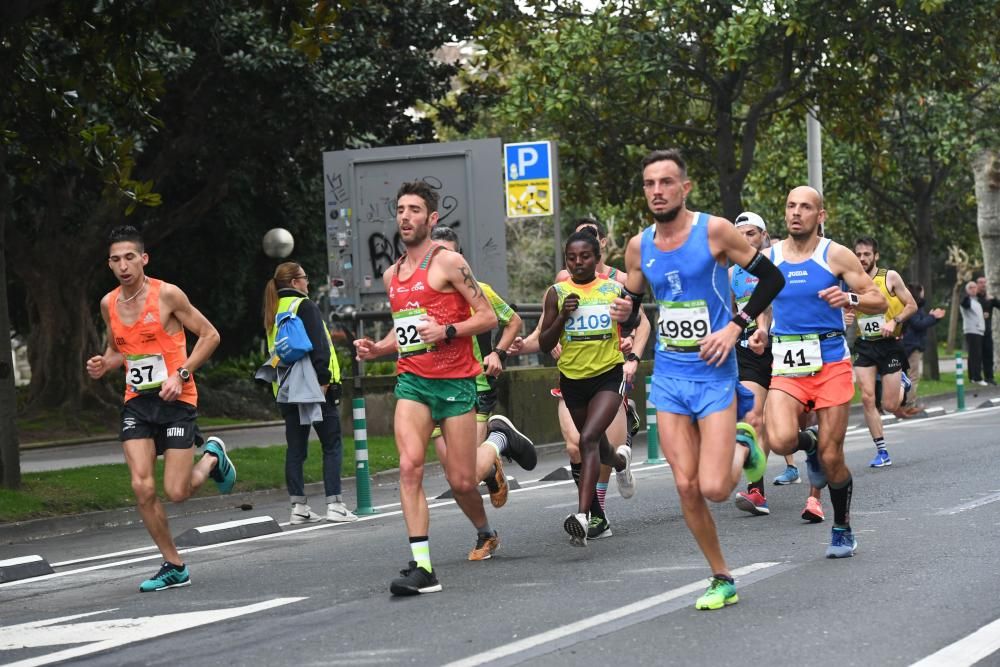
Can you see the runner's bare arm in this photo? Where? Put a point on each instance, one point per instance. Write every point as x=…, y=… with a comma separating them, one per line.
x=896, y=286
x=635, y=283
x=194, y=321
x=553, y=319
x=845, y=264
x=459, y=276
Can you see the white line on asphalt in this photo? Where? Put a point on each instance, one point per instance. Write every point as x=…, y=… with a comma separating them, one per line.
x=966, y=651
x=554, y=634
x=431, y=504
x=971, y=505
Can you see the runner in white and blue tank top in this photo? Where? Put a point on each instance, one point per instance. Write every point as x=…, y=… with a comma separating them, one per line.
x=797, y=310
x=684, y=257
x=812, y=368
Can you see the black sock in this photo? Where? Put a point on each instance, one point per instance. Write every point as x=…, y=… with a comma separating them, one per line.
x=840, y=497
x=759, y=485
x=575, y=469
x=175, y=565
x=724, y=577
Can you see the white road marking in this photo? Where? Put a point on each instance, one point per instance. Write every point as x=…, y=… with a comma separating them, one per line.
x=580, y=626
x=971, y=505
x=97, y=636
x=966, y=651
x=321, y=526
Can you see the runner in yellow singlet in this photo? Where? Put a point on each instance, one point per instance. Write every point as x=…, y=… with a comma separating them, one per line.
x=576, y=314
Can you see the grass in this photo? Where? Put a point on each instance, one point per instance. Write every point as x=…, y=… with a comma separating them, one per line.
x=106, y=487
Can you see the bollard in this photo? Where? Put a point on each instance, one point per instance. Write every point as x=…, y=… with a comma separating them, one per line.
x=363, y=482
x=652, y=440
x=959, y=381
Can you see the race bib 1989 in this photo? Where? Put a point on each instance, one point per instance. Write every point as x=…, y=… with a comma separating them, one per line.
x=682, y=324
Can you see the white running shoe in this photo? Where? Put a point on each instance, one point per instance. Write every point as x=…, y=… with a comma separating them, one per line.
x=338, y=512
x=303, y=514
x=625, y=478
x=576, y=525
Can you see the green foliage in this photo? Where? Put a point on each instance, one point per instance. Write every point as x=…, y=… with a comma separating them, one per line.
x=205, y=123
x=106, y=487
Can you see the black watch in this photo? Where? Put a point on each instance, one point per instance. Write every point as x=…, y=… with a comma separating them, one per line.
x=853, y=298
x=450, y=332
x=501, y=355
x=184, y=374
x=631, y=356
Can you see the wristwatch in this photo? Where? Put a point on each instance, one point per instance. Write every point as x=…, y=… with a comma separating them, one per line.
x=631, y=356
x=853, y=298
x=450, y=332
x=501, y=355
x=184, y=374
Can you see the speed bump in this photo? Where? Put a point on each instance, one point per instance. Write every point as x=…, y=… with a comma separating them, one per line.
x=24, y=567
x=228, y=531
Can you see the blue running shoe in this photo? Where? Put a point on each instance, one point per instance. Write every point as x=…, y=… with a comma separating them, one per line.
x=881, y=459
x=817, y=477
x=842, y=543
x=224, y=472
x=756, y=462
x=790, y=476
x=168, y=577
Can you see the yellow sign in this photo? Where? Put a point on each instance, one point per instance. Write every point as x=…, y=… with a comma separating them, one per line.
x=526, y=198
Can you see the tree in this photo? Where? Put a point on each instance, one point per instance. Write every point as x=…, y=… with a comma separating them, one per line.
x=986, y=168
x=205, y=155
x=195, y=121
x=708, y=76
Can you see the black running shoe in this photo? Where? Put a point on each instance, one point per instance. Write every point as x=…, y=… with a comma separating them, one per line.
x=632, y=417
x=414, y=581
x=519, y=448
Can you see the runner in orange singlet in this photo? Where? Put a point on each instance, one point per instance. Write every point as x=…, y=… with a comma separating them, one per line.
x=431, y=291
x=146, y=319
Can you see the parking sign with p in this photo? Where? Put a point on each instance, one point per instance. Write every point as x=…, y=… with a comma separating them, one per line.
x=528, y=177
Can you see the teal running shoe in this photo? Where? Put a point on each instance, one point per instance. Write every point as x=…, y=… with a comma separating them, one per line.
x=224, y=473
x=842, y=543
x=756, y=463
x=720, y=593
x=168, y=577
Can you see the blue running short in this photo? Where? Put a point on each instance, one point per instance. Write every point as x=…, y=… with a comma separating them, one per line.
x=696, y=399
x=744, y=401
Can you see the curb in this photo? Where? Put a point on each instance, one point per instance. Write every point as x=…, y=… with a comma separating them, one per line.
x=107, y=437
x=18, y=532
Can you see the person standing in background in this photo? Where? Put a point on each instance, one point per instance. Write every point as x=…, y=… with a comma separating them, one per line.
x=914, y=344
x=288, y=290
x=973, y=326
x=988, y=304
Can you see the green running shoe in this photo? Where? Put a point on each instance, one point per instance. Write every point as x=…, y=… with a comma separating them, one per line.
x=224, y=473
x=168, y=577
x=756, y=463
x=720, y=594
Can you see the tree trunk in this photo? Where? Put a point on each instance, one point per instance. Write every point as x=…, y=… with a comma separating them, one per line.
x=986, y=169
x=10, y=454
x=64, y=349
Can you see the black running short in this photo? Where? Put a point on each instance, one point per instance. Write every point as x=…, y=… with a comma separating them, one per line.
x=486, y=401
x=886, y=355
x=754, y=367
x=169, y=425
x=577, y=393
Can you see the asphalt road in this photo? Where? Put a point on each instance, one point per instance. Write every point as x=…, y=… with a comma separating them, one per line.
x=925, y=578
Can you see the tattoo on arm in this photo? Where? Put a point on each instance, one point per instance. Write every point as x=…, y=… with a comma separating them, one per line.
x=469, y=280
